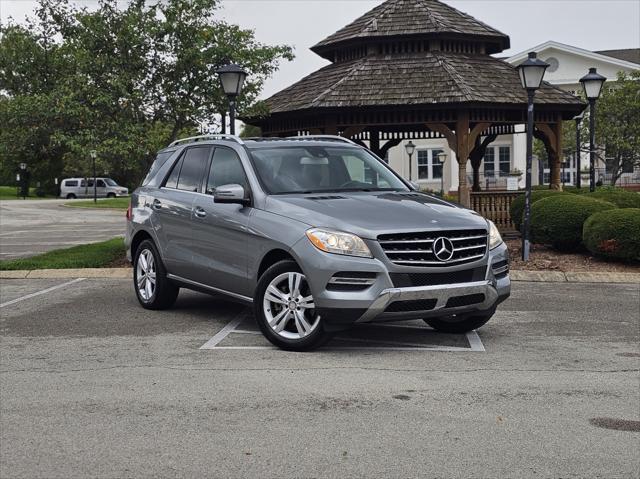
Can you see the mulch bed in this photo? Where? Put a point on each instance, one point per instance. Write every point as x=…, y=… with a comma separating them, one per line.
x=544, y=258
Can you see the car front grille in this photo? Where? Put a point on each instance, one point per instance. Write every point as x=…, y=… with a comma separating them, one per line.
x=416, y=249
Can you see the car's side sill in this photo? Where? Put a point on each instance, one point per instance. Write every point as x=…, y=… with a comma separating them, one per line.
x=195, y=284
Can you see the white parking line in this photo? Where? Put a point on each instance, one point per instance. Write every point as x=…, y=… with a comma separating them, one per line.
x=474, y=341
x=38, y=293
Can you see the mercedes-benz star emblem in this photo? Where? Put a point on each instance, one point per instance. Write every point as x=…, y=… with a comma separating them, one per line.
x=443, y=249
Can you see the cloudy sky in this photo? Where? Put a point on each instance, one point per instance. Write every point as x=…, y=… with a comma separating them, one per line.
x=589, y=24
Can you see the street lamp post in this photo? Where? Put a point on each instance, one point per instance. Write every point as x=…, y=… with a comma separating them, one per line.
x=232, y=78
x=94, y=154
x=24, y=183
x=578, y=120
x=592, y=83
x=531, y=74
x=410, y=148
x=442, y=158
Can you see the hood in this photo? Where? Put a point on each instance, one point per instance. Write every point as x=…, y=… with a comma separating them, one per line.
x=371, y=214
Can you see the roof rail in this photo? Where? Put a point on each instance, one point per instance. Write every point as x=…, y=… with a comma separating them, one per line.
x=223, y=136
x=323, y=137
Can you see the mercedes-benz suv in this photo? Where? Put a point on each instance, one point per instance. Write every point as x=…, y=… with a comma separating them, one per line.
x=317, y=232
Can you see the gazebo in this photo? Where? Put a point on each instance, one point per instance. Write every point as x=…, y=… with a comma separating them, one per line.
x=411, y=69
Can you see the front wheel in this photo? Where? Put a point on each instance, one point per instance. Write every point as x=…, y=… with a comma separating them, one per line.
x=71, y=196
x=111, y=195
x=285, y=309
x=153, y=289
x=458, y=326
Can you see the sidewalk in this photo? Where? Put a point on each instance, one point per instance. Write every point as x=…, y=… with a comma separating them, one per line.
x=516, y=275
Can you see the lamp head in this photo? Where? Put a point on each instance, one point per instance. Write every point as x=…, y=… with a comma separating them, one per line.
x=232, y=78
x=532, y=71
x=592, y=83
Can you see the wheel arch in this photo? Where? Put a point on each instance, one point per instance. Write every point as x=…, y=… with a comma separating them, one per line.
x=272, y=257
x=138, y=238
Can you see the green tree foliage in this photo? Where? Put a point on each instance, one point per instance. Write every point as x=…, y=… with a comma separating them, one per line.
x=618, y=124
x=123, y=81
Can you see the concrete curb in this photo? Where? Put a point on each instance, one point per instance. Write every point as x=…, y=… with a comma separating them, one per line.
x=516, y=275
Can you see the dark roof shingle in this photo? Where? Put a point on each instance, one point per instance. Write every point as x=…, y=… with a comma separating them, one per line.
x=628, y=54
x=415, y=18
x=413, y=79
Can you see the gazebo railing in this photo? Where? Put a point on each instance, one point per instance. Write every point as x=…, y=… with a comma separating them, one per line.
x=495, y=206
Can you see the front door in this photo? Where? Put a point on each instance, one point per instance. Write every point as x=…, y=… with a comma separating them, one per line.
x=173, y=208
x=220, y=231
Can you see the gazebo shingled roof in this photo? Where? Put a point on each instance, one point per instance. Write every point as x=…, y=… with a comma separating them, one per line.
x=418, y=69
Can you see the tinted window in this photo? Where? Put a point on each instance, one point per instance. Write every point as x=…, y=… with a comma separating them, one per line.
x=160, y=160
x=193, y=166
x=226, y=169
x=172, y=180
x=71, y=183
x=83, y=184
x=110, y=182
x=101, y=184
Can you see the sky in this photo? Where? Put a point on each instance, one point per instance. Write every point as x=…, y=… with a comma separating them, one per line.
x=588, y=24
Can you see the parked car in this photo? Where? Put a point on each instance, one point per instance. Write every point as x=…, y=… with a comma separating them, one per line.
x=316, y=232
x=72, y=188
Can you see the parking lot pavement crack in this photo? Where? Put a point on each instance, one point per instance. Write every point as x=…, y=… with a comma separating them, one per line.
x=328, y=368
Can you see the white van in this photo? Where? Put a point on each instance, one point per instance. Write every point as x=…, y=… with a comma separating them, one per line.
x=71, y=188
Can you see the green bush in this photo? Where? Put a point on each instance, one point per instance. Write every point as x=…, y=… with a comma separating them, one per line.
x=614, y=234
x=620, y=198
x=557, y=220
x=517, y=207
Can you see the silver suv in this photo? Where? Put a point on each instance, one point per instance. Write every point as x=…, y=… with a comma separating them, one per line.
x=316, y=232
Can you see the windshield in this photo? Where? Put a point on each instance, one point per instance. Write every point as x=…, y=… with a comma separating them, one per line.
x=315, y=169
x=110, y=182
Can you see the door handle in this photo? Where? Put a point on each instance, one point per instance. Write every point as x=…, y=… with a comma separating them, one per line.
x=157, y=204
x=199, y=212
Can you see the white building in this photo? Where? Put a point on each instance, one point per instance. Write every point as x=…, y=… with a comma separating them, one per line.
x=508, y=152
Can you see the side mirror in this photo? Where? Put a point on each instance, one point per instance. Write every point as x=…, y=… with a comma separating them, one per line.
x=230, y=194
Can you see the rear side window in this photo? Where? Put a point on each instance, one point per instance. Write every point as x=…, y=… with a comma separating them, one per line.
x=158, y=163
x=188, y=172
x=71, y=183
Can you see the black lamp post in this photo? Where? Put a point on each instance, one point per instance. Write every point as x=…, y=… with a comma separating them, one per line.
x=592, y=83
x=578, y=120
x=442, y=158
x=23, y=181
x=531, y=74
x=94, y=154
x=232, y=78
x=410, y=148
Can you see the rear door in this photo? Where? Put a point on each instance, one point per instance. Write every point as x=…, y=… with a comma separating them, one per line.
x=172, y=206
x=220, y=231
x=101, y=188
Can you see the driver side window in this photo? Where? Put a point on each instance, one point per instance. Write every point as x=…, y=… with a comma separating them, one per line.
x=226, y=169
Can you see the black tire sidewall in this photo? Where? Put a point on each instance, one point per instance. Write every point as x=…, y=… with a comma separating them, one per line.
x=460, y=326
x=316, y=339
x=165, y=292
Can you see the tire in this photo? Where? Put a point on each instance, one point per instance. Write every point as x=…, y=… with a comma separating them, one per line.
x=159, y=295
x=460, y=326
x=111, y=195
x=290, y=324
x=71, y=196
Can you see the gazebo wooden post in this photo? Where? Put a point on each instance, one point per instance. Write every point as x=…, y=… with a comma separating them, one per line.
x=462, y=155
x=552, y=139
x=374, y=141
x=556, y=180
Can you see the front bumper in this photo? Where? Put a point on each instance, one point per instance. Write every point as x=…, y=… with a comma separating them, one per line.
x=383, y=300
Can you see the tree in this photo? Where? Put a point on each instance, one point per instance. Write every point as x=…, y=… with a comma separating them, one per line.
x=618, y=125
x=124, y=82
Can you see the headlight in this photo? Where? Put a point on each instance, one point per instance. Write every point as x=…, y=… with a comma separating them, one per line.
x=494, y=236
x=339, y=243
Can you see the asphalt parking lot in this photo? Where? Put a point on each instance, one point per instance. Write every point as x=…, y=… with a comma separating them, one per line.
x=30, y=227
x=94, y=386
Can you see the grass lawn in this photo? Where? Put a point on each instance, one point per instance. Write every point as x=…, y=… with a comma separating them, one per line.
x=9, y=193
x=95, y=255
x=117, y=203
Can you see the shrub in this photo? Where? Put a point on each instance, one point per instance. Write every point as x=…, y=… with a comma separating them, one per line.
x=517, y=207
x=614, y=234
x=620, y=198
x=557, y=220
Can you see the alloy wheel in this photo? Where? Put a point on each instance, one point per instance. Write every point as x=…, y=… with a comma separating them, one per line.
x=146, y=275
x=289, y=307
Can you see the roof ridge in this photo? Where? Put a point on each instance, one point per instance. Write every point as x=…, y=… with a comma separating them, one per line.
x=358, y=64
x=454, y=75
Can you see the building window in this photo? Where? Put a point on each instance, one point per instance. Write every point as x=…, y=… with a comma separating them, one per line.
x=429, y=167
x=500, y=155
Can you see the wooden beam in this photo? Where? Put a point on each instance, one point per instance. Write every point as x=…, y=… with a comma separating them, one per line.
x=388, y=145
x=462, y=154
x=352, y=131
x=551, y=136
x=477, y=130
x=445, y=131
x=476, y=156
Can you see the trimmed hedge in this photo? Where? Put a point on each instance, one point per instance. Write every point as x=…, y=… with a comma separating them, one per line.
x=614, y=234
x=517, y=206
x=557, y=220
x=620, y=198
